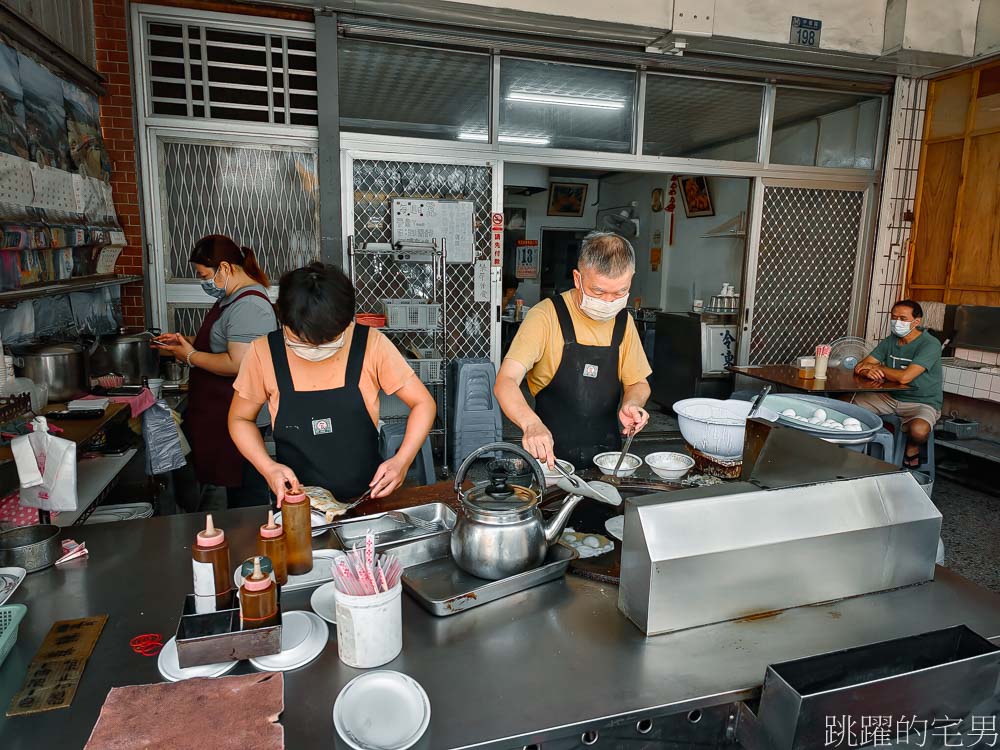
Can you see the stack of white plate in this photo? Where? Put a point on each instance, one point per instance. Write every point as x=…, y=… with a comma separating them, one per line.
x=171, y=669
x=382, y=710
x=304, y=635
x=123, y=512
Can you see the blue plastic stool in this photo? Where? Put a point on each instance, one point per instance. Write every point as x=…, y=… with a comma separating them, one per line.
x=391, y=437
x=885, y=441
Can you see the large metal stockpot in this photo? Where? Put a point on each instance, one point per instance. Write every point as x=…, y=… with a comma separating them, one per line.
x=127, y=354
x=60, y=366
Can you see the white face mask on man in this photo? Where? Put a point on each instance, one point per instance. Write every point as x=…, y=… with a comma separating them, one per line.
x=596, y=308
x=314, y=353
x=901, y=328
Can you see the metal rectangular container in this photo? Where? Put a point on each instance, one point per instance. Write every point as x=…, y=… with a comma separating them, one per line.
x=706, y=555
x=214, y=637
x=945, y=673
x=411, y=545
x=443, y=589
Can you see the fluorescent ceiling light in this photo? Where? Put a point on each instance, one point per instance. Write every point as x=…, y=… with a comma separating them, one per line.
x=566, y=101
x=527, y=140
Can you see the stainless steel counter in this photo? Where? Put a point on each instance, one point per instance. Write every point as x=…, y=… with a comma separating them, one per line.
x=542, y=663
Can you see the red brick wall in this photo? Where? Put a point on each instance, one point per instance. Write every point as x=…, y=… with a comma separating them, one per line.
x=118, y=129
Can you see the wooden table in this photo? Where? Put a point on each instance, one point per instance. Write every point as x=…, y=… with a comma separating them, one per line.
x=838, y=380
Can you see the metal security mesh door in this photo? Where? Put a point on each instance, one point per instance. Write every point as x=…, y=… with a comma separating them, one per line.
x=805, y=270
x=264, y=197
x=376, y=183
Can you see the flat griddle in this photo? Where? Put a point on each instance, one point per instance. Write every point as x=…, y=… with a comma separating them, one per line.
x=589, y=517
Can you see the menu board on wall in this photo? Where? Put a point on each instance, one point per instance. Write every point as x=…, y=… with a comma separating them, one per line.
x=424, y=220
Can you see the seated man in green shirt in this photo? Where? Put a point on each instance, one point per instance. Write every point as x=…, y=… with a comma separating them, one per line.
x=911, y=357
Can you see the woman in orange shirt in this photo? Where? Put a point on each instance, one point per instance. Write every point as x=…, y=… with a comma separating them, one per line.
x=320, y=375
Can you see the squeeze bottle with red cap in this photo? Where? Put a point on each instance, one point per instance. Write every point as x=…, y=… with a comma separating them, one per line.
x=258, y=599
x=271, y=544
x=296, y=519
x=210, y=561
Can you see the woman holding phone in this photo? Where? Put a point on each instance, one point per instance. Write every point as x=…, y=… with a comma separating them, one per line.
x=242, y=312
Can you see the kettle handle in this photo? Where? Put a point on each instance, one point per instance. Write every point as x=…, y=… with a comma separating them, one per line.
x=506, y=447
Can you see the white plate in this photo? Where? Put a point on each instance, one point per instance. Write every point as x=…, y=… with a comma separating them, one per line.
x=303, y=638
x=616, y=526
x=171, y=670
x=382, y=710
x=315, y=519
x=10, y=579
x=324, y=602
x=321, y=573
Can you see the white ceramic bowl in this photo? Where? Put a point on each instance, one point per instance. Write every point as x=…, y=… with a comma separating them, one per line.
x=606, y=463
x=552, y=476
x=668, y=465
x=716, y=427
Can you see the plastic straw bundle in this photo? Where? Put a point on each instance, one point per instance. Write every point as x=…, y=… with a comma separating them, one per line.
x=363, y=573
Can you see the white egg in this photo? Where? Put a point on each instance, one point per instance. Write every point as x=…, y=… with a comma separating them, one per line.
x=820, y=414
x=853, y=427
x=851, y=420
x=815, y=420
x=591, y=541
x=788, y=413
x=838, y=426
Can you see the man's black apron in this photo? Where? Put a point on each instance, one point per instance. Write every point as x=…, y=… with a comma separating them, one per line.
x=580, y=405
x=326, y=437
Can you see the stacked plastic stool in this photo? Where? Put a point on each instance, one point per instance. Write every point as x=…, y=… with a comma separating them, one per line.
x=474, y=417
x=390, y=437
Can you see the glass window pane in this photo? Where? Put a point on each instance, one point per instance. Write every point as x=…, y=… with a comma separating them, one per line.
x=825, y=128
x=700, y=118
x=566, y=106
x=393, y=89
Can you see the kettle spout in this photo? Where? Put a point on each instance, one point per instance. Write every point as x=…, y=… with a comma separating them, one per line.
x=553, y=529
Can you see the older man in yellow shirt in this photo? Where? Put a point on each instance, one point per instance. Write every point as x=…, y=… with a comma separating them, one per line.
x=583, y=359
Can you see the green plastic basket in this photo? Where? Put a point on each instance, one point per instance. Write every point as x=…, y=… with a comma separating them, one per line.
x=10, y=617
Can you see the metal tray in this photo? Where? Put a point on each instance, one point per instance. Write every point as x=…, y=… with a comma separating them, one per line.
x=207, y=637
x=443, y=589
x=411, y=545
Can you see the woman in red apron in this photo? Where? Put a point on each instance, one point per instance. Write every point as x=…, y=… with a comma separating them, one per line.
x=242, y=312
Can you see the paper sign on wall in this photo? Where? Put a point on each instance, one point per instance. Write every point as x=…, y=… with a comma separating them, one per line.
x=496, y=246
x=655, y=255
x=526, y=261
x=481, y=281
x=449, y=224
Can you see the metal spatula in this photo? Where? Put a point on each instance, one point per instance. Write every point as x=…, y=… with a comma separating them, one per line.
x=621, y=458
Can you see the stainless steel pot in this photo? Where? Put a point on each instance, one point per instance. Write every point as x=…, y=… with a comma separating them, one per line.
x=127, y=354
x=62, y=367
x=502, y=532
x=30, y=547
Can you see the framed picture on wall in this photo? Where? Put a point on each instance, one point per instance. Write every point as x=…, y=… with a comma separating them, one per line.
x=697, y=199
x=567, y=198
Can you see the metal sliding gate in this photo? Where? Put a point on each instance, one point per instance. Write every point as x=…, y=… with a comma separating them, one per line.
x=804, y=270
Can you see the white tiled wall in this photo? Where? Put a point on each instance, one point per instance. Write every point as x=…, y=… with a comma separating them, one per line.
x=981, y=383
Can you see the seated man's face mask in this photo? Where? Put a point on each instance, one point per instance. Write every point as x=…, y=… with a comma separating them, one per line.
x=902, y=328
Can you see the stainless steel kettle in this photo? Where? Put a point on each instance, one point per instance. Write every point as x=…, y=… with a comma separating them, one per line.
x=502, y=532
